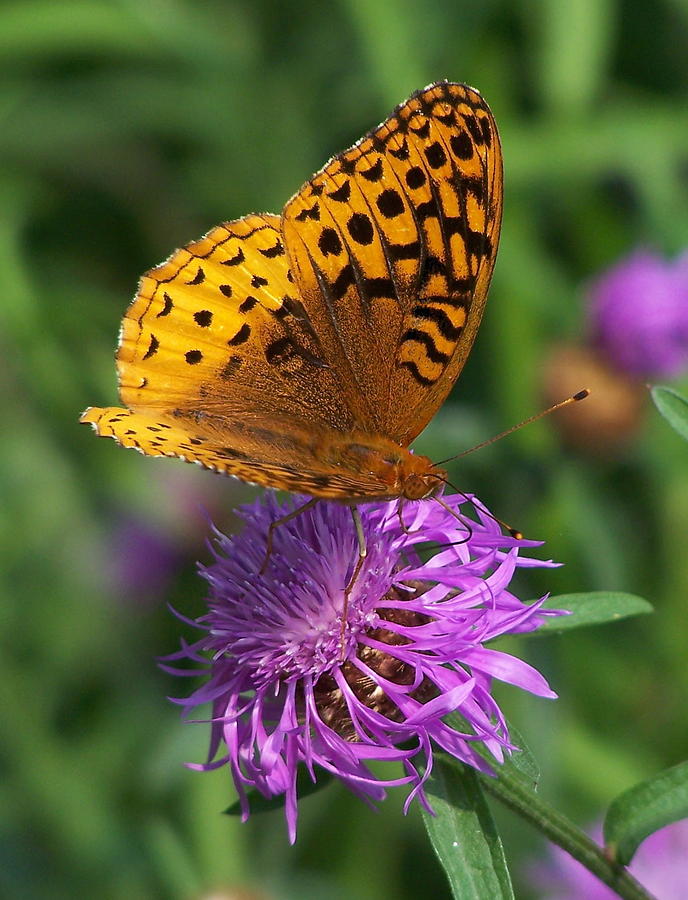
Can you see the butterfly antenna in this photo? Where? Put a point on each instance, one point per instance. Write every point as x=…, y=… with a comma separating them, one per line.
x=581, y=395
x=514, y=532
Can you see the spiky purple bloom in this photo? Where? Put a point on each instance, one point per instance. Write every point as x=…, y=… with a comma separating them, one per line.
x=659, y=865
x=639, y=314
x=285, y=688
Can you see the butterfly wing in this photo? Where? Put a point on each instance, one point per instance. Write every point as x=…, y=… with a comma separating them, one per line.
x=219, y=364
x=392, y=245
x=218, y=331
x=248, y=350
x=265, y=455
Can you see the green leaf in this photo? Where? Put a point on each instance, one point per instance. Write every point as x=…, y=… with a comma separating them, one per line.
x=521, y=763
x=593, y=608
x=673, y=406
x=549, y=821
x=643, y=809
x=464, y=835
x=522, y=760
x=261, y=804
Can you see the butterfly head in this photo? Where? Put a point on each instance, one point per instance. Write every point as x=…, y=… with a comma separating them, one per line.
x=421, y=479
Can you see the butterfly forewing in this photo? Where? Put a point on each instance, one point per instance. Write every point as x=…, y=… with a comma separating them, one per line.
x=392, y=246
x=219, y=365
x=301, y=353
x=217, y=329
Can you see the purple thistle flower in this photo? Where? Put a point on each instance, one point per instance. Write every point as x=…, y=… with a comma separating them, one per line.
x=659, y=865
x=639, y=314
x=285, y=689
x=143, y=560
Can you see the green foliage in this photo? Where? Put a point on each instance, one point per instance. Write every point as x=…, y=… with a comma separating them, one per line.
x=645, y=808
x=593, y=608
x=127, y=130
x=464, y=835
x=673, y=407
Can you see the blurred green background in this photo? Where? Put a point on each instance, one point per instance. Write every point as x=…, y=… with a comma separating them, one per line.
x=131, y=127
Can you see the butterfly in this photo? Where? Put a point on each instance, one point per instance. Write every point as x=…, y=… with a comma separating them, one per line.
x=306, y=351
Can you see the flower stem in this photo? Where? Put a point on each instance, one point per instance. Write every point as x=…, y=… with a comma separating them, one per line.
x=561, y=831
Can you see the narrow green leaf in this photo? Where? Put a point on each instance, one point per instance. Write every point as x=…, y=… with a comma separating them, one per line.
x=593, y=608
x=522, y=760
x=521, y=763
x=464, y=835
x=673, y=406
x=643, y=809
x=261, y=804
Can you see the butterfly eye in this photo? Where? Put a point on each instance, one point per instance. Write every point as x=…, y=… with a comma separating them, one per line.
x=416, y=487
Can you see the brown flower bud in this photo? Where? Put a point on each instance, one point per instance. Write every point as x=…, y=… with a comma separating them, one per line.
x=606, y=420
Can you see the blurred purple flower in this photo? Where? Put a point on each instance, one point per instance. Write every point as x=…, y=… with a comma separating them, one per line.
x=285, y=690
x=143, y=559
x=660, y=865
x=639, y=314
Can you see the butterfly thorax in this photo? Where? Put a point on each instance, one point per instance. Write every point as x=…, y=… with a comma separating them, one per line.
x=398, y=472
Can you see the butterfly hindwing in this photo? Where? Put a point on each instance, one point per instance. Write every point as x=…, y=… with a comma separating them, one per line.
x=263, y=454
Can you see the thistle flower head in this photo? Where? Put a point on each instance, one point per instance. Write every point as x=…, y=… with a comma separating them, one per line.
x=639, y=314
x=289, y=683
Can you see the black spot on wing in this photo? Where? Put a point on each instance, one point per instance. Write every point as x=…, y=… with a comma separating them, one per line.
x=435, y=155
x=475, y=129
x=461, y=145
x=404, y=251
x=235, y=260
x=390, y=203
x=152, y=347
x=241, y=336
x=374, y=173
x=343, y=282
x=347, y=166
x=233, y=453
x=312, y=212
x=401, y=153
x=342, y=194
x=379, y=287
x=415, y=177
x=329, y=242
x=272, y=252
x=423, y=130
x=284, y=349
x=361, y=229
x=167, y=307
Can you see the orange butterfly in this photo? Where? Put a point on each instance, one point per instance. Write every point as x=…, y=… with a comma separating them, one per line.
x=305, y=352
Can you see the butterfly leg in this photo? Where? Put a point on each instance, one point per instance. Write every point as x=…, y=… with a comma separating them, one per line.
x=362, y=553
x=283, y=521
x=400, y=506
